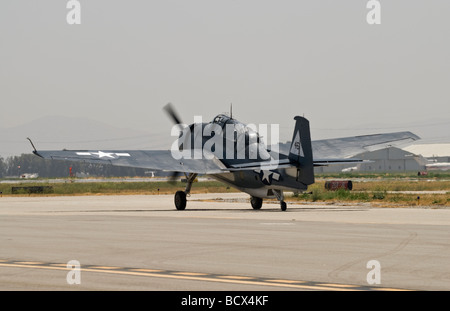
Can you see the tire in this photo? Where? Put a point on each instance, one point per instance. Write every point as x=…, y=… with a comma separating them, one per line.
x=283, y=206
x=180, y=200
x=256, y=202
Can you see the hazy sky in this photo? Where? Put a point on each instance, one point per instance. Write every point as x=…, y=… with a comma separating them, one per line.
x=271, y=59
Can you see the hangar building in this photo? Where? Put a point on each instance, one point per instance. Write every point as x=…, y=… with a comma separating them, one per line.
x=432, y=152
x=390, y=159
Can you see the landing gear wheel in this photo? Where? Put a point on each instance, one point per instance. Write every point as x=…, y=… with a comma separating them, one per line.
x=256, y=202
x=283, y=206
x=180, y=200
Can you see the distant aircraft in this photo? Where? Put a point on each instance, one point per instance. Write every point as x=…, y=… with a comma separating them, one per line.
x=238, y=157
x=443, y=166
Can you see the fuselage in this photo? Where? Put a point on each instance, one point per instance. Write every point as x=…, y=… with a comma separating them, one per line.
x=237, y=144
x=261, y=184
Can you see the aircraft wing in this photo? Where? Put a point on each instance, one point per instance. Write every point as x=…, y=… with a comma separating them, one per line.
x=341, y=150
x=161, y=160
x=325, y=152
x=348, y=147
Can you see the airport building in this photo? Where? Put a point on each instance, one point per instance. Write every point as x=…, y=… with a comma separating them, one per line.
x=437, y=155
x=390, y=159
x=417, y=157
x=432, y=152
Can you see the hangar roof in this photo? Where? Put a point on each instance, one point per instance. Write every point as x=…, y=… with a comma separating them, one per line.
x=430, y=150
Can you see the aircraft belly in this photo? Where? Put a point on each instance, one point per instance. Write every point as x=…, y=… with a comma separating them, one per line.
x=261, y=184
x=239, y=180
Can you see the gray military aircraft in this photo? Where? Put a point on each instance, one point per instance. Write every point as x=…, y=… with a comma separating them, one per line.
x=234, y=153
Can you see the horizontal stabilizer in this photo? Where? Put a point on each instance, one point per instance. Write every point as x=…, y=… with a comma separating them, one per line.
x=328, y=162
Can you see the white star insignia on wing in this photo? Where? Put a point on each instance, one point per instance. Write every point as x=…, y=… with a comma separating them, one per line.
x=102, y=154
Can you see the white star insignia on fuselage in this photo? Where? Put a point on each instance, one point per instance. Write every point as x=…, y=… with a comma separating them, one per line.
x=265, y=178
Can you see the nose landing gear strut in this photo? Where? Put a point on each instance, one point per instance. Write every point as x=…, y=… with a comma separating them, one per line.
x=180, y=196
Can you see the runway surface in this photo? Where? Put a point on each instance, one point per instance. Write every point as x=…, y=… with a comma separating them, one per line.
x=218, y=243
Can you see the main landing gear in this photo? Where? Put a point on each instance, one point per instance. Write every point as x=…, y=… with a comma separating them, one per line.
x=280, y=197
x=180, y=196
x=257, y=202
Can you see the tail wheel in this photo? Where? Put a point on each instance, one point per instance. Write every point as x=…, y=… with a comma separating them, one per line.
x=180, y=200
x=256, y=202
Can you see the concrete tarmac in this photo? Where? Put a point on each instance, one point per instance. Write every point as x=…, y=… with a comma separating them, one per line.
x=219, y=243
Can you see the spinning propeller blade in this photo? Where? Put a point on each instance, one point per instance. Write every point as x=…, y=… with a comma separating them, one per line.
x=172, y=114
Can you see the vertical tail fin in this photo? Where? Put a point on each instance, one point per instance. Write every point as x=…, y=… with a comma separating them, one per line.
x=301, y=151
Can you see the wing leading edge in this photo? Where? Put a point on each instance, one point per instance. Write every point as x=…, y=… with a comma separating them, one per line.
x=161, y=160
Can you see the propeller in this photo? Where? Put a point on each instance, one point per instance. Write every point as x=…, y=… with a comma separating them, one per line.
x=170, y=110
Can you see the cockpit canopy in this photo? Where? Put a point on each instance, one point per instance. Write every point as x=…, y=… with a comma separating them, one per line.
x=223, y=119
x=237, y=141
x=239, y=128
x=248, y=134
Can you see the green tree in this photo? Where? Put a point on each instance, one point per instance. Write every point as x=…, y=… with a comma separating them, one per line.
x=2, y=167
x=30, y=163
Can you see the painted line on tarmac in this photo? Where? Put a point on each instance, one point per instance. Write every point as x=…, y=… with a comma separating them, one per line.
x=195, y=276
